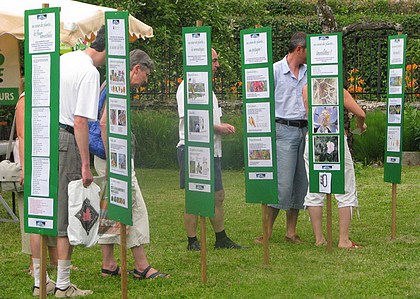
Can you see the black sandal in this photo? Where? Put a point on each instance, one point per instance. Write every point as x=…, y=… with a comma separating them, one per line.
x=111, y=273
x=142, y=275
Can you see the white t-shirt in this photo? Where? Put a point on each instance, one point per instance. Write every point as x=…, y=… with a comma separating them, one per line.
x=217, y=114
x=79, y=87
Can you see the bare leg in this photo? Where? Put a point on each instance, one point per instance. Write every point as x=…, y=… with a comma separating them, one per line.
x=316, y=220
x=272, y=216
x=108, y=260
x=64, y=249
x=218, y=220
x=344, y=215
x=291, y=222
x=52, y=252
x=35, y=246
x=190, y=223
x=140, y=260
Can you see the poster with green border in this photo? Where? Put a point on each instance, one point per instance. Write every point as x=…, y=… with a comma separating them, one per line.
x=198, y=121
x=259, y=116
x=42, y=84
x=395, y=108
x=326, y=113
x=9, y=70
x=119, y=120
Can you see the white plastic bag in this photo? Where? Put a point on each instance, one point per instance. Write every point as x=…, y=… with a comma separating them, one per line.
x=83, y=214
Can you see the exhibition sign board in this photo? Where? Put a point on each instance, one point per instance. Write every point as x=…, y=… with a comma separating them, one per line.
x=198, y=121
x=42, y=84
x=118, y=113
x=259, y=118
x=326, y=113
x=395, y=108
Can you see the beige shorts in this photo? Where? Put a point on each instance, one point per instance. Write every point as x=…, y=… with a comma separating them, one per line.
x=349, y=198
x=138, y=234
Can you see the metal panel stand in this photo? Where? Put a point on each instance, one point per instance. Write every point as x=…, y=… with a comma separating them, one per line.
x=9, y=210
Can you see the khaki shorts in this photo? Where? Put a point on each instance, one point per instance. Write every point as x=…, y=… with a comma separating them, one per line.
x=138, y=234
x=69, y=169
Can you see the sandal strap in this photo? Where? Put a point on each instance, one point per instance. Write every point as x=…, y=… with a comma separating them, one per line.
x=110, y=272
x=142, y=274
x=158, y=274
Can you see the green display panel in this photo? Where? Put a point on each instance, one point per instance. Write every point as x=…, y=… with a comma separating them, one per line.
x=9, y=70
x=198, y=121
x=119, y=120
x=326, y=113
x=395, y=108
x=42, y=83
x=259, y=119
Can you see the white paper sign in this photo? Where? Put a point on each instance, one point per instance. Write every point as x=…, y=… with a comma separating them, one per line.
x=260, y=152
x=41, y=132
x=197, y=88
x=196, y=48
x=118, y=156
x=116, y=37
x=41, y=73
x=118, y=193
x=40, y=185
x=396, y=54
x=40, y=206
x=255, y=48
x=257, y=83
x=41, y=33
x=199, y=163
x=325, y=182
x=393, y=139
x=118, y=116
x=258, y=117
x=324, y=49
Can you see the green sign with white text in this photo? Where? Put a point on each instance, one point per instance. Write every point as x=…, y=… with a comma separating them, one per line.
x=395, y=108
x=119, y=120
x=198, y=121
x=326, y=113
x=259, y=119
x=42, y=73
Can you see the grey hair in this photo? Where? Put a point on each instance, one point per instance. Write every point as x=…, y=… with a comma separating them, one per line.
x=139, y=57
x=297, y=39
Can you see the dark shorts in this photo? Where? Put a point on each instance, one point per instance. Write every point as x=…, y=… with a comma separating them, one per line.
x=218, y=185
x=69, y=169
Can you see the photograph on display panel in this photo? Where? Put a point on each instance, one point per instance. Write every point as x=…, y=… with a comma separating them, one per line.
x=326, y=149
x=198, y=126
x=394, y=110
x=198, y=88
x=325, y=91
x=325, y=119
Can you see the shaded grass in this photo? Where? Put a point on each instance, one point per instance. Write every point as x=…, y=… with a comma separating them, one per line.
x=382, y=268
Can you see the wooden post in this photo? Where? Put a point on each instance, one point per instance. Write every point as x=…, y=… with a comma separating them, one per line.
x=329, y=223
x=43, y=269
x=203, y=249
x=123, y=246
x=265, y=233
x=394, y=212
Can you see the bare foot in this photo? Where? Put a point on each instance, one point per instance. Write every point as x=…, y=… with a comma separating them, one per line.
x=349, y=245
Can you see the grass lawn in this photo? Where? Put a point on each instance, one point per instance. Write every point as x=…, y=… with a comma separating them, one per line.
x=382, y=268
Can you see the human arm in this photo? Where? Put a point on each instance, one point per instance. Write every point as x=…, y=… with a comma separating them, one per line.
x=224, y=129
x=20, y=129
x=351, y=105
x=81, y=133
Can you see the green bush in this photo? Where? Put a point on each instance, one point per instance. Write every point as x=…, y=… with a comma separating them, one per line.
x=369, y=147
x=411, y=137
x=157, y=136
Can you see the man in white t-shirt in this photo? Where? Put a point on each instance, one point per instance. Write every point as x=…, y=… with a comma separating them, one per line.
x=79, y=96
x=190, y=220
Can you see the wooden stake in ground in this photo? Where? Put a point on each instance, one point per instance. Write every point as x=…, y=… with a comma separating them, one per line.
x=265, y=233
x=329, y=223
x=394, y=212
x=123, y=246
x=203, y=249
x=43, y=269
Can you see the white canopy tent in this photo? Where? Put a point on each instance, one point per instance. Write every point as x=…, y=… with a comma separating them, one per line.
x=78, y=20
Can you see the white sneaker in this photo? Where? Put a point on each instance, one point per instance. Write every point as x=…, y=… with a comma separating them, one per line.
x=50, y=288
x=71, y=291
